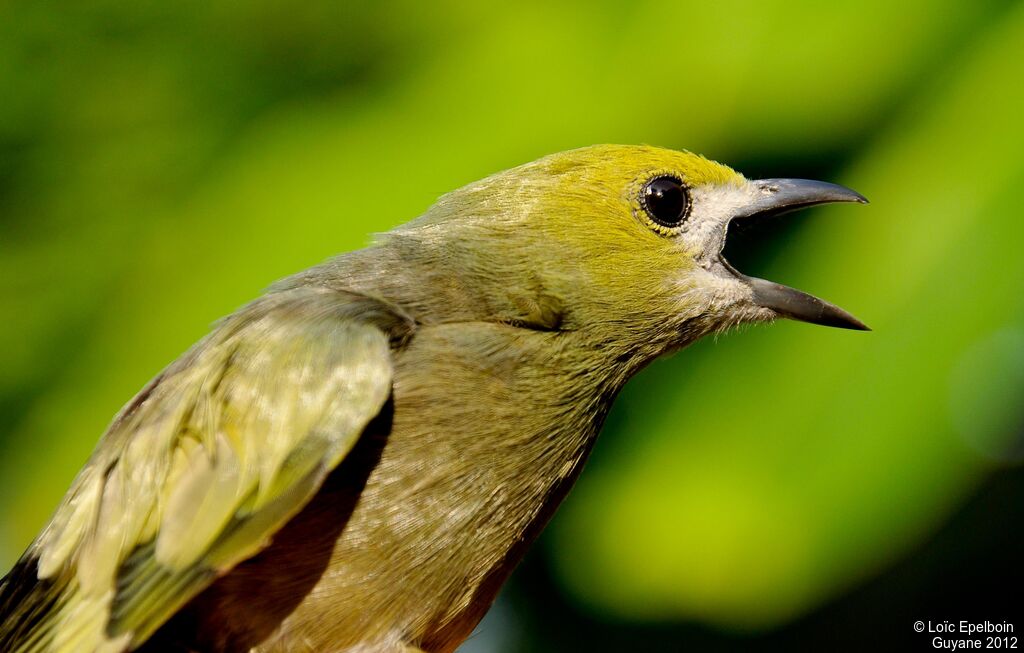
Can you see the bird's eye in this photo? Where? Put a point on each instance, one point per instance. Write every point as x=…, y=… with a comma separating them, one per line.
x=666, y=201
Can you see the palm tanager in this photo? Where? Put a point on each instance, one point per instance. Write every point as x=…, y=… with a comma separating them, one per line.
x=356, y=461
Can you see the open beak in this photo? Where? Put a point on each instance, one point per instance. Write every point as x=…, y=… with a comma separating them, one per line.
x=777, y=196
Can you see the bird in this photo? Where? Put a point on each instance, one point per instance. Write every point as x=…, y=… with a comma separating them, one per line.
x=357, y=460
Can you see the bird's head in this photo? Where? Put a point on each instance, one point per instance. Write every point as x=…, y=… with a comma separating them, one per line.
x=623, y=241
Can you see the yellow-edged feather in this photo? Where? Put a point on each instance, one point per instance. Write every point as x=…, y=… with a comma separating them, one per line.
x=200, y=469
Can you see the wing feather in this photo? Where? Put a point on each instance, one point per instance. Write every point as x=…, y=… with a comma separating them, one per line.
x=199, y=471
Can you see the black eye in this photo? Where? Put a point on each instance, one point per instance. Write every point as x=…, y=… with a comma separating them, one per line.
x=666, y=201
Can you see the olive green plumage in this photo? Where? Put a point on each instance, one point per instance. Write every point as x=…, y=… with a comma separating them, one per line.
x=357, y=460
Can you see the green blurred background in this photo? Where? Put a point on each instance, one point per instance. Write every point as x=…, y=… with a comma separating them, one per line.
x=787, y=488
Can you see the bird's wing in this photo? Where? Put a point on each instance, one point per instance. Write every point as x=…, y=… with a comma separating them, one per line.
x=200, y=470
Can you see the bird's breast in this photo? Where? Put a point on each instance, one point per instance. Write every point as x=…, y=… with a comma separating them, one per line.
x=415, y=533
